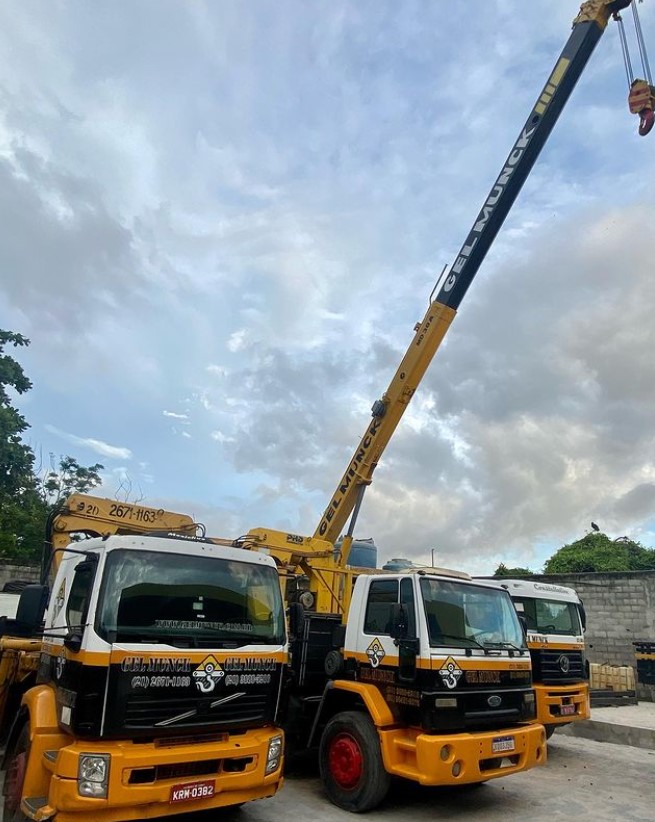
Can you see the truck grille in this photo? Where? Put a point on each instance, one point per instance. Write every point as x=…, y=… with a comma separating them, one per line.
x=181, y=712
x=489, y=708
x=558, y=667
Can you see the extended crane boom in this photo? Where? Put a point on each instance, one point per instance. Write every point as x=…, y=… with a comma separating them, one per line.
x=99, y=517
x=588, y=28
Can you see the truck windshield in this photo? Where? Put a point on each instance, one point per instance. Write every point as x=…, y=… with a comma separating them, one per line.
x=550, y=616
x=462, y=615
x=189, y=601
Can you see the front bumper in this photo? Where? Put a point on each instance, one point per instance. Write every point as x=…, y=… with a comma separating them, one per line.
x=142, y=776
x=554, y=701
x=452, y=759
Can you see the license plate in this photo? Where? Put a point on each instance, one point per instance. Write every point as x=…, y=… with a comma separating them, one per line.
x=502, y=743
x=192, y=790
x=567, y=710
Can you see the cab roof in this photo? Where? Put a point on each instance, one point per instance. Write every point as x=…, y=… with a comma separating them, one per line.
x=538, y=590
x=166, y=543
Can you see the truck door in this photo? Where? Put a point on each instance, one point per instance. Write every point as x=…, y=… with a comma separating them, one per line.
x=374, y=643
x=408, y=646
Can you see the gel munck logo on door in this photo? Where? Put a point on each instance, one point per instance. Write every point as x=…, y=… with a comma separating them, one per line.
x=375, y=652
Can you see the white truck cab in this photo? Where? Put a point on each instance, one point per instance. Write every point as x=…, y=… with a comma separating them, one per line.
x=555, y=622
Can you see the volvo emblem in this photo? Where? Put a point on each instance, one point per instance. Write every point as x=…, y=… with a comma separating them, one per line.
x=564, y=663
x=494, y=701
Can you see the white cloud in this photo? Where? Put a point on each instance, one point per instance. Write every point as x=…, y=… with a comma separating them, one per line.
x=219, y=436
x=243, y=220
x=100, y=447
x=174, y=415
x=238, y=340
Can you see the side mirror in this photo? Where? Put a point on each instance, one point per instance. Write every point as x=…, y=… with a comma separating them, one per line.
x=524, y=624
x=338, y=636
x=73, y=641
x=398, y=628
x=583, y=617
x=296, y=620
x=31, y=608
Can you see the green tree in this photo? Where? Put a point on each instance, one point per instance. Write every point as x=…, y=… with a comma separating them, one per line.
x=68, y=477
x=597, y=552
x=504, y=571
x=19, y=500
x=25, y=499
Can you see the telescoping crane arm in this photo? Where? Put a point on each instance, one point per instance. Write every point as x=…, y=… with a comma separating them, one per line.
x=588, y=28
x=99, y=517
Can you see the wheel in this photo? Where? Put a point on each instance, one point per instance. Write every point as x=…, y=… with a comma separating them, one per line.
x=333, y=664
x=550, y=730
x=15, y=777
x=351, y=765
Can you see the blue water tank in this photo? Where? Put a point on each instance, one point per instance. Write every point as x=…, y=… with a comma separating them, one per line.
x=363, y=553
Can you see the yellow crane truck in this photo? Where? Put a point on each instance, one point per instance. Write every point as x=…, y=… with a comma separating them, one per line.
x=397, y=674
x=78, y=516
x=423, y=675
x=555, y=622
x=153, y=685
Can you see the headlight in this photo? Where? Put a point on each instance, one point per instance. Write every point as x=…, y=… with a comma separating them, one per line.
x=274, y=754
x=529, y=705
x=93, y=775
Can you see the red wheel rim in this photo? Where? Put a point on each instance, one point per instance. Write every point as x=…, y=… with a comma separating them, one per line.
x=14, y=781
x=346, y=761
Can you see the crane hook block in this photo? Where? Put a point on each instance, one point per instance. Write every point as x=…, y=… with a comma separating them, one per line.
x=641, y=101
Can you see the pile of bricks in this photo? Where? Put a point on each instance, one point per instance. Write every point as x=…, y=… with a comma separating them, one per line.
x=611, y=677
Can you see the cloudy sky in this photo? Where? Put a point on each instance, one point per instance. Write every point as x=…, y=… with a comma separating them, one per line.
x=220, y=222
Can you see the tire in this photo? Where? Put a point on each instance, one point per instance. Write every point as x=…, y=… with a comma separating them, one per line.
x=350, y=759
x=550, y=730
x=15, y=777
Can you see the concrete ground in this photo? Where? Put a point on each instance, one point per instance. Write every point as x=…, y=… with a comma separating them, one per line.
x=622, y=725
x=583, y=780
x=641, y=715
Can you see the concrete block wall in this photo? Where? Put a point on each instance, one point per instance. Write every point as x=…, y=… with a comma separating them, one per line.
x=8, y=572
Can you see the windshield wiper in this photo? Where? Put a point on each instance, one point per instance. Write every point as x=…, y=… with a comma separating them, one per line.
x=461, y=638
x=159, y=639
x=263, y=639
x=503, y=644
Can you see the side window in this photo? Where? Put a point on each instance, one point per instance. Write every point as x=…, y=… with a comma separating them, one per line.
x=78, y=599
x=527, y=608
x=407, y=599
x=382, y=594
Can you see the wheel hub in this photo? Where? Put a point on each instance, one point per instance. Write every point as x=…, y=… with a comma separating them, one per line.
x=345, y=761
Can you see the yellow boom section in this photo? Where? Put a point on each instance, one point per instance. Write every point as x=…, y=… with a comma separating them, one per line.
x=101, y=517
x=387, y=413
